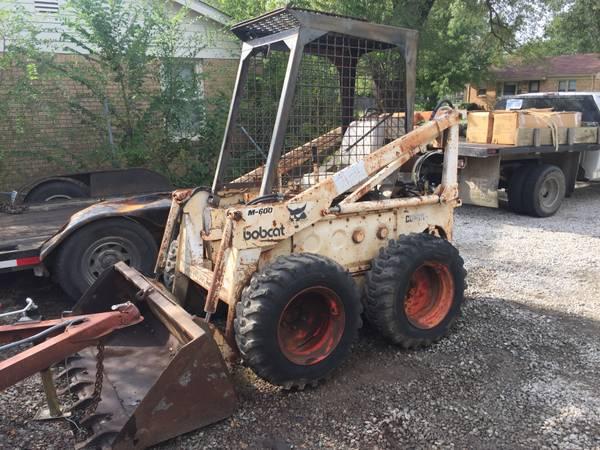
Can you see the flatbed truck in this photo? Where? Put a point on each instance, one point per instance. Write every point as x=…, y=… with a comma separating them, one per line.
x=536, y=177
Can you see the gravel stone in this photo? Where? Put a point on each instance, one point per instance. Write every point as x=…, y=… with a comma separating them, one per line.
x=519, y=371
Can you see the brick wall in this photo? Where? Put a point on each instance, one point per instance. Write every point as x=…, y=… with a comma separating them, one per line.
x=42, y=136
x=47, y=137
x=485, y=101
x=219, y=75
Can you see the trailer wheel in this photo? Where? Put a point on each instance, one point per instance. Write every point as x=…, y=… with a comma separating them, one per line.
x=515, y=188
x=98, y=246
x=55, y=190
x=297, y=319
x=415, y=289
x=544, y=190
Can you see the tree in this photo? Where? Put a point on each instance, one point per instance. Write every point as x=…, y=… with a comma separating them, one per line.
x=459, y=39
x=18, y=55
x=575, y=28
x=21, y=66
x=130, y=61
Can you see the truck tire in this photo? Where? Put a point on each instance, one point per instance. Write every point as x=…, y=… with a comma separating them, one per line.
x=99, y=245
x=168, y=274
x=57, y=190
x=515, y=188
x=415, y=289
x=297, y=319
x=544, y=190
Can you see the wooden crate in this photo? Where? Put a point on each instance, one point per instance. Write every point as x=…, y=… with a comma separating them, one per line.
x=480, y=126
x=508, y=123
x=526, y=137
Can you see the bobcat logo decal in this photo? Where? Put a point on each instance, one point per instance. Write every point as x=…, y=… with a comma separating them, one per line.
x=297, y=214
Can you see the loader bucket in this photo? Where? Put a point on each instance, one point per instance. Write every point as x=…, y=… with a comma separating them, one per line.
x=160, y=378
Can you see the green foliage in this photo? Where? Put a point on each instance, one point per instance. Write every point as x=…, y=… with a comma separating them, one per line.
x=139, y=83
x=244, y=9
x=459, y=39
x=455, y=49
x=137, y=87
x=575, y=28
x=18, y=66
x=136, y=79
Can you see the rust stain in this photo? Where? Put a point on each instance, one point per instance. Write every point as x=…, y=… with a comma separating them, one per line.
x=212, y=297
x=181, y=195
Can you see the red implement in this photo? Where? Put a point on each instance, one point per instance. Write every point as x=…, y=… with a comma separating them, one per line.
x=57, y=339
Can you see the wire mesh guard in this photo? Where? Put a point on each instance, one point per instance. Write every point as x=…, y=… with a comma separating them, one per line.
x=348, y=102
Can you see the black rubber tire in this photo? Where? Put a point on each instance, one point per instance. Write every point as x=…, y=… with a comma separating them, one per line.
x=66, y=189
x=534, y=187
x=196, y=295
x=263, y=303
x=515, y=188
x=67, y=267
x=168, y=274
x=388, y=282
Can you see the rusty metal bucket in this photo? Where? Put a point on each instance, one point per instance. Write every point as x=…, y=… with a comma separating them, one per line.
x=160, y=378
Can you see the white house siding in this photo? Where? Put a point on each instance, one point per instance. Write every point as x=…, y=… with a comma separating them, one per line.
x=220, y=43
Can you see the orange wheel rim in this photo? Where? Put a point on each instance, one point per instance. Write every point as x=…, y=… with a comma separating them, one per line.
x=311, y=326
x=429, y=296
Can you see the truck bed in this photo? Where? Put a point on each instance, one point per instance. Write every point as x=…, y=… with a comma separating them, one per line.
x=487, y=150
x=22, y=234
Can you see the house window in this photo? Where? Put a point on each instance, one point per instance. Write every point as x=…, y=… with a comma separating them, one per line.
x=183, y=86
x=534, y=86
x=567, y=85
x=481, y=92
x=46, y=6
x=509, y=89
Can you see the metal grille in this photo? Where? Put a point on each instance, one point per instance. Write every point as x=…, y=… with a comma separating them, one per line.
x=275, y=22
x=348, y=102
x=250, y=138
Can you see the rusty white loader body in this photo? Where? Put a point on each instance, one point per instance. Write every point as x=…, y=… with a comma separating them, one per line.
x=220, y=248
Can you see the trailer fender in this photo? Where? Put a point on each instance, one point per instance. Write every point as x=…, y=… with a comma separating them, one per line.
x=102, y=183
x=56, y=188
x=148, y=210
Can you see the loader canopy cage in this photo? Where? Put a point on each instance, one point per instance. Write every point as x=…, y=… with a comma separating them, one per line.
x=314, y=93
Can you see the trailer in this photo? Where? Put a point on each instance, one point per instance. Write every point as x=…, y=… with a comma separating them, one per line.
x=535, y=177
x=75, y=240
x=88, y=185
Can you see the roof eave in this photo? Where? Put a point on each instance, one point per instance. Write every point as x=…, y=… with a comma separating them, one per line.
x=206, y=10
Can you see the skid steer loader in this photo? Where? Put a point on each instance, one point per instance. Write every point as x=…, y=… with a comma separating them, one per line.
x=326, y=202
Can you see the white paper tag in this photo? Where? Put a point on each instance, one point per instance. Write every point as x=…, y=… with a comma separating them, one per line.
x=514, y=103
x=350, y=177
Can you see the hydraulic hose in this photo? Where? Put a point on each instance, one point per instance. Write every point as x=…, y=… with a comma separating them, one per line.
x=439, y=105
x=42, y=334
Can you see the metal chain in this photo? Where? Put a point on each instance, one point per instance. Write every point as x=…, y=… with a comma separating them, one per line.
x=96, y=396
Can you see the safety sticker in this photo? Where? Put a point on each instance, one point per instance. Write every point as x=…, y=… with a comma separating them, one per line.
x=350, y=177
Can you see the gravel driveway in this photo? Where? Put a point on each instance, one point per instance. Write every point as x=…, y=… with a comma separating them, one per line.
x=521, y=369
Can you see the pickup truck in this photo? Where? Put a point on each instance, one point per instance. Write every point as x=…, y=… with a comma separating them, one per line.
x=535, y=178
